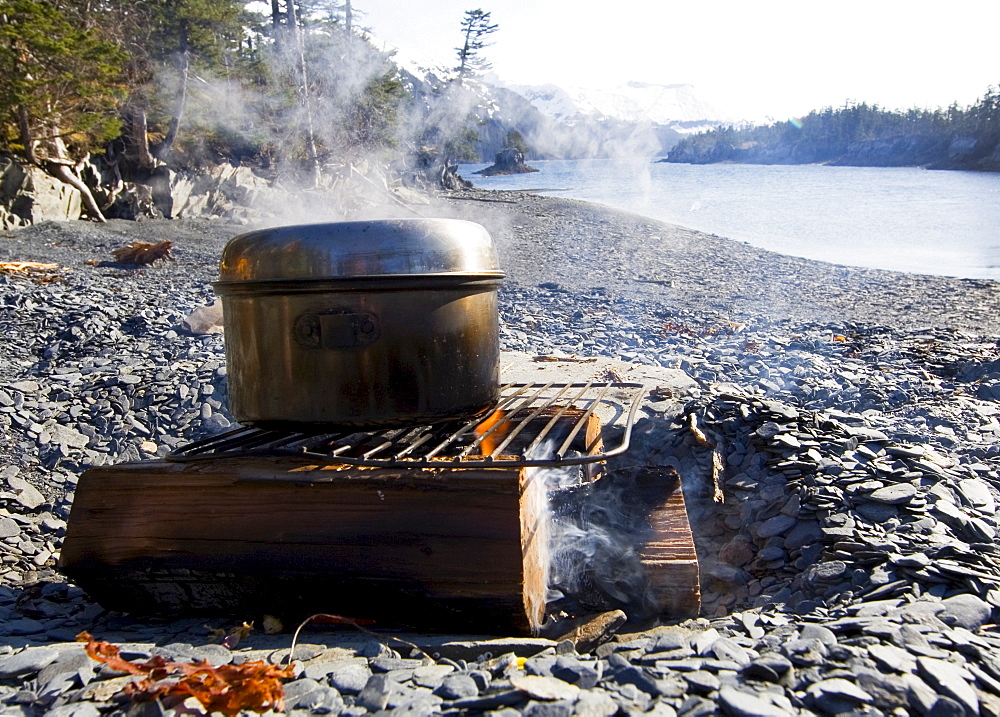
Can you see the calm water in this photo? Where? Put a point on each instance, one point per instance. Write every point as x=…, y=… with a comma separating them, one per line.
x=929, y=222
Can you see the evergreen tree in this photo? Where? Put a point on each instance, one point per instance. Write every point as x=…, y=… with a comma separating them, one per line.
x=348, y=92
x=59, y=89
x=475, y=27
x=182, y=37
x=515, y=140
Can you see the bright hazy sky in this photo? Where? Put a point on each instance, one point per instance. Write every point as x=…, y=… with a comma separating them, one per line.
x=769, y=58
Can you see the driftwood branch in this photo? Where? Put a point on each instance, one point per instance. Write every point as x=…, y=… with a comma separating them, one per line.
x=140, y=138
x=386, y=193
x=64, y=173
x=488, y=201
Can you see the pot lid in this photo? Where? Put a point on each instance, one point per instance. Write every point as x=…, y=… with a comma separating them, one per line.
x=363, y=248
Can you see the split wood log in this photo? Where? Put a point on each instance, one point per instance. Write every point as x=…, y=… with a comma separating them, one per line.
x=246, y=536
x=668, y=551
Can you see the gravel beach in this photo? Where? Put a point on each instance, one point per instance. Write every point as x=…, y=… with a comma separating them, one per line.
x=849, y=418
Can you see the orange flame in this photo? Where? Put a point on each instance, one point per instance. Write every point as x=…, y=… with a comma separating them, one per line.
x=494, y=439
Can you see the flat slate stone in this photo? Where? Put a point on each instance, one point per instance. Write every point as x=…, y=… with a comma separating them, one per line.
x=839, y=688
x=23, y=626
x=867, y=434
x=896, y=494
x=74, y=709
x=776, y=526
x=804, y=533
x=727, y=649
x=977, y=492
x=456, y=687
x=375, y=695
x=25, y=493
x=545, y=688
x=893, y=658
x=770, y=666
x=66, y=436
x=27, y=662
x=350, y=678
x=9, y=528
x=968, y=611
x=949, y=679
x=745, y=704
x=431, y=676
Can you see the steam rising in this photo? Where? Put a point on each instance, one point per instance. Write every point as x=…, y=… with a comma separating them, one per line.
x=370, y=134
x=376, y=127
x=596, y=529
x=594, y=539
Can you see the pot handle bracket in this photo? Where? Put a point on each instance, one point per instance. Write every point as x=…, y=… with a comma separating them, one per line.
x=337, y=330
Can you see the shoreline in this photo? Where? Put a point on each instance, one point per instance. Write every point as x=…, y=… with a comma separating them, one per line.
x=582, y=246
x=685, y=269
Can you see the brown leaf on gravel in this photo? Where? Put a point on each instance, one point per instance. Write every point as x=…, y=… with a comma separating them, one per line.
x=25, y=266
x=36, y=271
x=143, y=252
x=661, y=393
x=229, y=689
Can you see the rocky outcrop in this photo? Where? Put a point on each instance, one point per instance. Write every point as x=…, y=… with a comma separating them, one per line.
x=221, y=191
x=451, y=180
x=29, y=195
x=709, y=152
x=508, y=161
x=991, y=162
x=894, y=152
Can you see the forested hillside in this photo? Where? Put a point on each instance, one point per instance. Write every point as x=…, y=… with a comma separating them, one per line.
x=860, y=134
x=100, y=93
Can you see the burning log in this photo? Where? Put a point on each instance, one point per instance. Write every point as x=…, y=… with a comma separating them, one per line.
x=423, y=547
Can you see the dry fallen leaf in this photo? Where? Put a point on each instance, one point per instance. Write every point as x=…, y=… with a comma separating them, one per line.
x=699, y=435
x=234, y=637
x=36, y=271
x=661, y=393
x=229, y=689
x=543, y=358
x=25, y=266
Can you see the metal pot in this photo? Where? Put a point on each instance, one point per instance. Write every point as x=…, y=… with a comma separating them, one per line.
x=361, y=324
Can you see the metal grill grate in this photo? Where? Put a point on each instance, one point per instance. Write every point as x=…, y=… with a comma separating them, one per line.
x=533, y=424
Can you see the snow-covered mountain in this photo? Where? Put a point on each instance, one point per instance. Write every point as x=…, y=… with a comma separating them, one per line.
x=633, y=119
x=677, y=106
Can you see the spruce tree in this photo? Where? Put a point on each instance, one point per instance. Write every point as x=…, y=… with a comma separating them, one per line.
x=59, y=90
x=475, y=27
x=60, y=85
